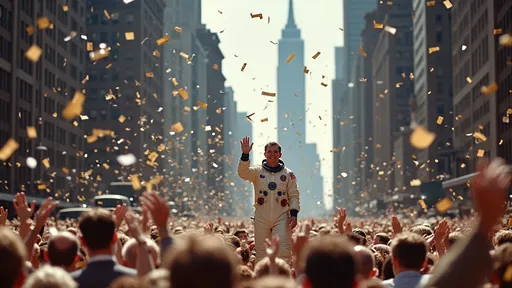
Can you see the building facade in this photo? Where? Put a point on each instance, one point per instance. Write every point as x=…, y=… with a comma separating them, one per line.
x=338, y=85
x=433, y=86
x=33, y=94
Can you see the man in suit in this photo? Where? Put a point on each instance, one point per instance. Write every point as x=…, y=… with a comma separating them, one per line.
x=99, y=237
x=62, y=251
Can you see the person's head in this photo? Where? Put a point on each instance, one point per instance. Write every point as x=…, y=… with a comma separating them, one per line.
x=366, y=261
x=387, y=269
x=422, y=230
x=242, y=234
x=245, y=273
x=62, y=250
x=502, y=259
x=272, y=153
x=129, y=282
x=262, y=268
x=381, y=238
x=130, y=253
x=158, y=278
x=13, y=259
x=408, y=252
x=502, y=237
x=232, y=239
x=382, y=249
x=452, y=238
x=50, y=276
x=98, y=229
x=199, y=262
x=327, y=260
x=356, y=238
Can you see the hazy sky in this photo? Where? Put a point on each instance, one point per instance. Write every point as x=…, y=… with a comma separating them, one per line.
x=249, y=39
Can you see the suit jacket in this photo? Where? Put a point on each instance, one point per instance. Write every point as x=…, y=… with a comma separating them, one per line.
x=101, y=273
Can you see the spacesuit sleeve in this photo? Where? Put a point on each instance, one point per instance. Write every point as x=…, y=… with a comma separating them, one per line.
x=245, y=171
x=293, y=193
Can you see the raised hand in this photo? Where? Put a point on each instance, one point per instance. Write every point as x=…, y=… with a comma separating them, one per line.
x=342, y=216
x=119, y=213
x=272, y=248
x=158, y=208
x=44, y=211
x=3, y=216
x=395, y=224
x=23, y=211
x=134, y=227
x=246, y=145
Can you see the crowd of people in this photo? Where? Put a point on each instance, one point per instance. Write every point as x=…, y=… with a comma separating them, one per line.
x=123, y=249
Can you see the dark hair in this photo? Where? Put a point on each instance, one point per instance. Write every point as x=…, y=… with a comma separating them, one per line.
x=13, y=257
x=97, y=227
x=328, y=260
x=62, y=257
x=387, y=269
x=241, y=231
x=356, y=239
x=272, y=143
x=384, y=238
x=410, y=250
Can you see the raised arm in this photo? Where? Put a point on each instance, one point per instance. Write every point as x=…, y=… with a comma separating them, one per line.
x=244, y=165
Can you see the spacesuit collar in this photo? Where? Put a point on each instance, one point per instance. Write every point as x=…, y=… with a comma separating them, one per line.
x=279, y=168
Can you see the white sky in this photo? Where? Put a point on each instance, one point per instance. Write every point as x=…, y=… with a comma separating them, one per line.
x=249, y=39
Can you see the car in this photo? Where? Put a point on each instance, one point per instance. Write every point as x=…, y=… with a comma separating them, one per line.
x=71, y=213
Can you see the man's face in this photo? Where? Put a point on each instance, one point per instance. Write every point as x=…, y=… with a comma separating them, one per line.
x=272, y=155
x=243, y=236
x=377, y=240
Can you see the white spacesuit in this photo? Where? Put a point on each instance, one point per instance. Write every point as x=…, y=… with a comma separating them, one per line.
x=276, y=198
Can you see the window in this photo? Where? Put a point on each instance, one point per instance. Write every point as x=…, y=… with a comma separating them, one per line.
x=439, y=36
x=5, y=49
x=104, y=37
x=130, y=18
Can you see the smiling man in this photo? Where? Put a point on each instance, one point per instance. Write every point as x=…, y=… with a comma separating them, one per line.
x=276, y=197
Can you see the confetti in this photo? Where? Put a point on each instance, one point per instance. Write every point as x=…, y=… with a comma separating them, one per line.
x=468, y=79
x=215, y=66
x=202, y=105
x=8, y=149
x=243, y=67
x=105, y=12
x=324, y=84
x=174, y=82
x=440, y=120
x=306, y=70
x=271, y=94
x=316, y=55
x=34, y=53
x=89, y=46
x=185, y=55
x=506, y=40
x=415, y=182
x=129, y=36
x=249, y=116
x=31, y=162
x=46, y=163
x=156, y=53
x=362, y=52
x=126, y=160
x=433, y=49
x=490, y=89
x=480, y=153
x=65, y=8
x=443, y=205
x=497, y=31
x=75, y=107
x=421, y=138
x=121, y=118
x=135, y=182
x=43, y=23
x=150, y=74
x=31, y=132
x=178, y=29
x=30, y=30
x=481, y=137
x=431, y=3
x=377, y=25
x=264, y=120
x=259, y=15
x=183, y=93
x=163, y=40
x=99, y=54
x=463, y=47
x=507, y=276
x=177, y=128
x=290, y=57
x=448, y=4
x=390, y=29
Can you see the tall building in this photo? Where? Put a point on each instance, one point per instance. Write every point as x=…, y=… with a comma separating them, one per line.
x=298, y=155
x=393, y=89
x=215, y=120
x=338, y=85
x=34, y=93
x=231, y=148
x=243, y=198
x=473, y=57
x=125, y=90
x=503, y=62
x=188, y=162
x=433, y=85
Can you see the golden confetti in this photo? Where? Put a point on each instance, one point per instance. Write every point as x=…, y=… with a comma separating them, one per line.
x=46, y=163
x=490, y=89
x=497, y=31
x=431, y=3
x=34, y=53
x=89, y=46
x=30, y=30
x=271, y=94
x=259, y=15
x=469, y=80
x=215, y=66
x=183, y=93
x=440, y=120
x=174, y=82
x=105, y=12
x=316, y=55
x=150, y=74
x=362, y=52
x=421, y=138
x=264, y=120
x=391, y=30
x=243, y=67
x=74, y=108
x=156, y=53
x=163, y=40
x=43, y=23
x=121, y=118
x=377, y=25
x=415, y=182
x=201, y=104
x=178, y=29
x=129, y=36
x=290, y=57
x=480, y=136
x=31, y=132
x=99, y=54
x=135, y=182
x=506, y=40
x=185, y=55
x=8, y=149
x=433, y=49
x=306, y=70
x=448, y=4
x=177, y=128
x=65, y=8
x=324, y=84
x=444, y=204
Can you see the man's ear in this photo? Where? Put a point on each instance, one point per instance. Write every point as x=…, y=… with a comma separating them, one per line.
x=45, y=256
x=374, y=273
x=114, y=238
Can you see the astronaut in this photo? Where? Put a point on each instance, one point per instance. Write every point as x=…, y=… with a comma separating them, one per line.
x=276, y=197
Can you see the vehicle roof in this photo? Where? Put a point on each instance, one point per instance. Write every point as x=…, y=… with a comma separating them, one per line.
x=111, y=196
x=77, y=209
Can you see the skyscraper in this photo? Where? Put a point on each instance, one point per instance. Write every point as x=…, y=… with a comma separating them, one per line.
x=299, y=156
x=433, y=85
x=338, y=85
x=34, y=93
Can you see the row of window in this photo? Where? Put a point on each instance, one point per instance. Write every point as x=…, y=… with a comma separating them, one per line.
x=5, y=49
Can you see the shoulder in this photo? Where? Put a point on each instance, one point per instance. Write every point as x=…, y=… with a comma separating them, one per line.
x=76, y=274
x=125, y=270
x=389, y=282
x=290, y=173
